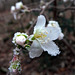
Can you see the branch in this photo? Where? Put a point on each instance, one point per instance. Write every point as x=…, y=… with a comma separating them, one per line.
x=61, y=9
x=65, y=9
x=47, y=4
x=54, y=10
x=68, y=46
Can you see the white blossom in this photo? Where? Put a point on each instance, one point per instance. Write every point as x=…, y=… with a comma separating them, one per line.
x=43, y=39
x=19, y=5
x=19, y=38
x=13, y=9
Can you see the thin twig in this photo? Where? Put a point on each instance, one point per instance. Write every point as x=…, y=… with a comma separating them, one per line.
x=47, y=4
x=35, y=9
x=69, y=46
x=21, y=24
x=61, y=9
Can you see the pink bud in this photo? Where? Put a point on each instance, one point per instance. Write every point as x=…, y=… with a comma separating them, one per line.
x=20, y=40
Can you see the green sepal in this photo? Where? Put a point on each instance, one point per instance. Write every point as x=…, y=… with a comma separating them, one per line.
x=33, y=38
x=27, y=46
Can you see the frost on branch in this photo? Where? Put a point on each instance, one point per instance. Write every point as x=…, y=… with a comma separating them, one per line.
x=15, y=66
x=15, y=62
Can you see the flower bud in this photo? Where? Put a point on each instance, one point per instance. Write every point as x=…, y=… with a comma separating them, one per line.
x=19, y=5
x=12, y=9
x=20, y=40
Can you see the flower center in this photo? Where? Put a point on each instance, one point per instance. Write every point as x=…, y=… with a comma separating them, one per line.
x=39, y=34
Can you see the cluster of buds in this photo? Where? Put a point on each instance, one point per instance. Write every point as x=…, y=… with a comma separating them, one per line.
x=18, y=9
x=15, y=65
x=20, y=38
x=15, y=62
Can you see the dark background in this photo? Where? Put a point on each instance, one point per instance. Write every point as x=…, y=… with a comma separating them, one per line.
x=63, y=64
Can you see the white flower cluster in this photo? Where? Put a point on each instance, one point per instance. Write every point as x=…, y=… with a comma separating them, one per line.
x=17, y=8
x=19, y=38
x=43, y=38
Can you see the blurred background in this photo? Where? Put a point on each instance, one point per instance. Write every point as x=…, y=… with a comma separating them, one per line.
x=62, y=11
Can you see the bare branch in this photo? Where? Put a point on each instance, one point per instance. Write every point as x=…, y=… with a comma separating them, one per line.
x=47, y=4
x=69, y=46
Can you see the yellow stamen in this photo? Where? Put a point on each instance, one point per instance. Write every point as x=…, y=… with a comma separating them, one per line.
x=39, y=34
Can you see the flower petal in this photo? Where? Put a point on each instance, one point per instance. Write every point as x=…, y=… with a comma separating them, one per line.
x=40, y=22
x=54, y=24
x=35, y=50
x=61, y=36
x=51, y=48
x=53, y=33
